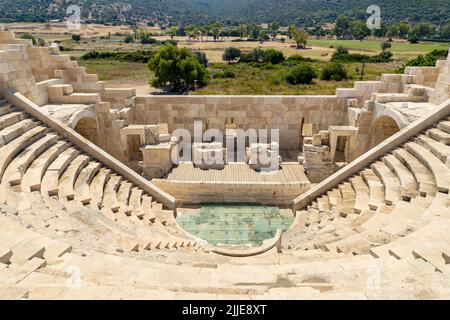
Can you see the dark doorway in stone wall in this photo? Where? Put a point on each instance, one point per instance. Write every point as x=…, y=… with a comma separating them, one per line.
x=87, y=127
x=134, y=147
x=383, y=128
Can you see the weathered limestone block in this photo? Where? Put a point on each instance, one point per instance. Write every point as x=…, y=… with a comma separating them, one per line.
x=261, y=156
x=316, y=154
x=209, y=155
x=157, y=159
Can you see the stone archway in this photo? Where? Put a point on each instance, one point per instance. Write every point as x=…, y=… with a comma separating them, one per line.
x=87, y=127
x=383, y=128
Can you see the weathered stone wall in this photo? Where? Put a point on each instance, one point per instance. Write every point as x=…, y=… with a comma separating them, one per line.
x=286, y=113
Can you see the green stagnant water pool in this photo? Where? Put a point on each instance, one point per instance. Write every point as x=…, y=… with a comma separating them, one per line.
x=235, y=224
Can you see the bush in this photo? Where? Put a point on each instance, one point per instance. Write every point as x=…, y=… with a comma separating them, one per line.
x=273, y=56
x=147, y=39
x=225, y=74
x=428, y=60
x=169, y=41
x=382, y=57
x=229, y=74
x=76, y=37
x=349, y=57
x=303, y=74
x=231, y=54
x=334, y=71
x=132, y=56
x=29, y=36
x=177, y=68
x=129, y=39
x=256, y=55
x=412, y=38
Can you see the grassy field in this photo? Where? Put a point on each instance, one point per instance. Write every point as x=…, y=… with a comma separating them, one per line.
x=400, y=49
x=271, y=81
x=117, y=70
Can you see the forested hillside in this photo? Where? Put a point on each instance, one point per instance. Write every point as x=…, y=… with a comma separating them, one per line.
x=233, y=11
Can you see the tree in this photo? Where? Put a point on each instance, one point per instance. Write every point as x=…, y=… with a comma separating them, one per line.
x=300, y=37
x=201, y=57
x=385, y=45
x=231, y=54
x=273, y=29
x=215, y=29
x=177, y=68
x=242, y=29
x=424, y=29
x=342, y=27
x=253, y=31
x=403, y=29
x=445, y=32
x=76, y=37
x=291, y=29
x=173, y=32
x=413, y=38
x=263, y=35
x=359, y=30
x=129, y=39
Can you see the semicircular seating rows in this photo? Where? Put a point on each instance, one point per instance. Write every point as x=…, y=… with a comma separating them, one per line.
x=72, y=228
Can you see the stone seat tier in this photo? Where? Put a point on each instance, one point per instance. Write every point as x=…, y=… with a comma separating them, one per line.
x=408, y=184
x=83, y=181
x=390, y=181
x=35, y=172
x=68, y=178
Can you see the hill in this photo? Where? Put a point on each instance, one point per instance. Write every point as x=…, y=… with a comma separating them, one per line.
x=231, y=11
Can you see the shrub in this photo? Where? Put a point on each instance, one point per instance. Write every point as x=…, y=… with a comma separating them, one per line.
x=225, y=74
x=231, y=54
x=132, y=56
x=303, y=74
x=169, y=41
x=334, y=71
x=386, y=44
x=413, y=38
x=177, y=68
x=147, y=39
x=273, y=56
x=428, y=60
x=129, y=39
x=382, y=57
x=29, y=36
x=256, y=55
x=76, y=37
